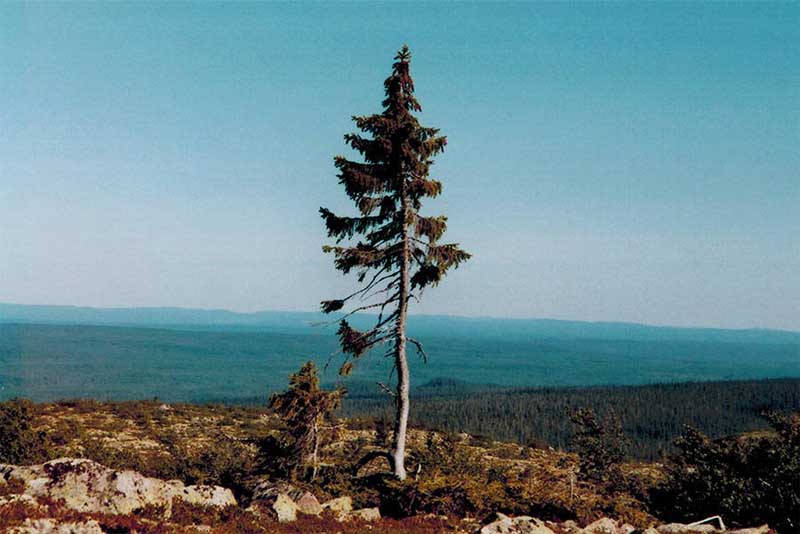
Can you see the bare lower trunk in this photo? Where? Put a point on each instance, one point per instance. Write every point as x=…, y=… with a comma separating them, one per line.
x=401, y=417
x=398, y=452
x=315, y=452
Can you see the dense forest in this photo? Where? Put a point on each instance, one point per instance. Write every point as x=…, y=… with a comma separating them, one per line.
x=652, y=416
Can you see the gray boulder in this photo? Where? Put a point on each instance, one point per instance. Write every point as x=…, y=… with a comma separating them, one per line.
x=51, y=526
x=763, y=529
x=308, y=504
x=680, y=528
x=87, y=486
x=603, y=525
x=285, y=508
x=339, y=505
x=516, y=525
x=365, y=514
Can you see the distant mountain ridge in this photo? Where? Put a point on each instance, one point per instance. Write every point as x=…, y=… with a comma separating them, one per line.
x=429, y=325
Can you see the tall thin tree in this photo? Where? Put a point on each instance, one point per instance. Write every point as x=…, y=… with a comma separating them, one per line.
x=397, y=252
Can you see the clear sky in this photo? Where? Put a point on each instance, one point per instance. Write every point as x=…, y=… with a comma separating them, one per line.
x=633, y=162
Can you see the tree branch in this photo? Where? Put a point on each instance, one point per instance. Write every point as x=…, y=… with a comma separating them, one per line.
x=420, y=350
x=386, y=389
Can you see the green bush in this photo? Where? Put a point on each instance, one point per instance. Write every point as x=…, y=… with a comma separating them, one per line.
x=20, y=443
x=306, y=410
x=601, y=447
x=223, y=462
x=748, y=479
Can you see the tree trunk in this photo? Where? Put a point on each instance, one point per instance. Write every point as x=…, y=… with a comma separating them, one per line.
x=315, y=453
x=398, y=452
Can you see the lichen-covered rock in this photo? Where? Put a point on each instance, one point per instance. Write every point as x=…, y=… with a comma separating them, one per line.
x=680, y=528
x=340, y=506
x=567, y=527
x=51, y=526
x=87, y=486
x=285, y=508
x=18, y=499
x=516, y=525
x=763, y=529
x=208, y=495
x=308, y=504
x=603, y=525
x=366, y=514
x=281, y=498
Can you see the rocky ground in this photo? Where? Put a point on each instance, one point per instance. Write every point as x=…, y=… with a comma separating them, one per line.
x=83, y=497
x=159, y=468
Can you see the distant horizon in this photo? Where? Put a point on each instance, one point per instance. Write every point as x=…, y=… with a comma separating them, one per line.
x=411, y=313
x=632, y=162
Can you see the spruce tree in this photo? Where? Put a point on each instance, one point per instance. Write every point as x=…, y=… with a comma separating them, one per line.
x=304, y=407
x=393, y=249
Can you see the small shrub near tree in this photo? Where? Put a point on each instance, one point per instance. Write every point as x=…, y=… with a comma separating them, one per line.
x=601, y=446
x=306, y=410
x=748, y=479
x=20, y=442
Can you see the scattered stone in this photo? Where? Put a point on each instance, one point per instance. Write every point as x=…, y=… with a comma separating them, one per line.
x=51, y=526
x=763, y=529
x=516, y=525
x=87, y=486
x=680, y=528
x=308, y=504
x=21, y=499
x=567, y=527
x=366, y=514
x=285, y=508
x=602, y=526
x=502, y=525
x=285, y=500
x=340, y=506
x=208, y=496
x=709, y=520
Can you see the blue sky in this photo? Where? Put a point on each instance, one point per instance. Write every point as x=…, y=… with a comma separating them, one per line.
x=634, y=162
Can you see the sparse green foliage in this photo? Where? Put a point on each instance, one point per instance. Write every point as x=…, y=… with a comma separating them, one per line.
x=601, y=446
x=20, y=443
x=748, y=479
x=304, y=409
x=223, y=462
x=453, y=479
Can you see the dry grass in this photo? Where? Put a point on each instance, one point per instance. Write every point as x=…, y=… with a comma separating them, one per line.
x=455, y=475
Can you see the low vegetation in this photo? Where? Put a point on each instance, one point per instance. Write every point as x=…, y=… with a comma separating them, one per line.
x=748, y=479
x=753, y=478
x=185, y=518
x=20, y=442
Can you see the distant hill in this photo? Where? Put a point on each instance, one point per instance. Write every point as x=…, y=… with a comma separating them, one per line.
x=230, y=362
x=424, y=325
